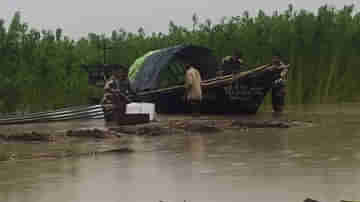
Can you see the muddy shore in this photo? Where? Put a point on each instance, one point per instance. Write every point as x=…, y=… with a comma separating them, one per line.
x=59, y=140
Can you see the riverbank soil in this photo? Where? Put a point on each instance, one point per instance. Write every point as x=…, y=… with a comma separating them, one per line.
x=90, y=137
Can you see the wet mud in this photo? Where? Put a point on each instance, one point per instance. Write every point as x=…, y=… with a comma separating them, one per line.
x=108, y=137
x=205, y=126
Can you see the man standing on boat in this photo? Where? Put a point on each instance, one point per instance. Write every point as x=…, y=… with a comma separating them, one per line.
x=115, y=96
x=118, y=81
x=278, y=91
x=234, y=63
x=193, y=89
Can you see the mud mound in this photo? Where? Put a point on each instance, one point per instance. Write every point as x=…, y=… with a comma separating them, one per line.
x=264, y=124
x=196, y=126
x=28, y=136
x=154, y=129
x=92, y=133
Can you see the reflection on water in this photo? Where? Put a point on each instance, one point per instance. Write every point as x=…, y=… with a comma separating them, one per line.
x=321, y=162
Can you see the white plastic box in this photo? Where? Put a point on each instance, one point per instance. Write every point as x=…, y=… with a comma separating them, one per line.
x=141, y=108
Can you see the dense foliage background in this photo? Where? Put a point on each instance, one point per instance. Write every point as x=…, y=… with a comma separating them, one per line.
x=42, y=69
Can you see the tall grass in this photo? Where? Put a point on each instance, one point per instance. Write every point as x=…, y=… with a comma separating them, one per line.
x=42, y=69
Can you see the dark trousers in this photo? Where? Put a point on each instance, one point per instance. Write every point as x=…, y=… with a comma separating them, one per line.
x=119, y=102
x=195, y=107
x=278, y=98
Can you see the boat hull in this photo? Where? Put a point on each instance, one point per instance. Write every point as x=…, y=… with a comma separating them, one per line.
x=241, y=95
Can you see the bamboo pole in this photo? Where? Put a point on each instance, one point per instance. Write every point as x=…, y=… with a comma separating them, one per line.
x=217, y=81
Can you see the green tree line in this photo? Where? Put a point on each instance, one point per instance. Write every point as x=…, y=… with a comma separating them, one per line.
x=42, y=69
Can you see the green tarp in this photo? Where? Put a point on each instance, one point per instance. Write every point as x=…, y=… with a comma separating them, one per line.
x=165, y=67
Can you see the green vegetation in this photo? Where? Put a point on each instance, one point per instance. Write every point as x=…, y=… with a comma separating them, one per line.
x=42, y=69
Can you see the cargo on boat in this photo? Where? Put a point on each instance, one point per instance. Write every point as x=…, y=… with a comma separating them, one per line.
x=158, y=77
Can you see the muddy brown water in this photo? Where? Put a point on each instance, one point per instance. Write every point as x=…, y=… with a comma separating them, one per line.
x=321, y=161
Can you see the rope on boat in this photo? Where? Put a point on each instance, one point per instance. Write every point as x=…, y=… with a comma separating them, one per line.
x=215, y=82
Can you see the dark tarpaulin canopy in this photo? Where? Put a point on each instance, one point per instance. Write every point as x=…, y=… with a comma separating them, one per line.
x=145, y=72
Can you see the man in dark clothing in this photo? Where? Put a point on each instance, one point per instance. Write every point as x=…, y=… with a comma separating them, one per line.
x=116, y=95
x=278, y=92
x=233, y=64
x=118, y=81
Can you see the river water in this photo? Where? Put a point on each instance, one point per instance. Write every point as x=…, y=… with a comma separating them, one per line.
x=321, y=161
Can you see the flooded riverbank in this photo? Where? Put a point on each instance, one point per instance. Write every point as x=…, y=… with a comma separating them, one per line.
x=86, y=137
x=321, y=161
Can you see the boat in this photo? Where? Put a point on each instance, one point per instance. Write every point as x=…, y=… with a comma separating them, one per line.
x=158, y=77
